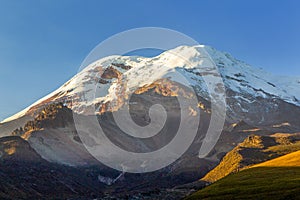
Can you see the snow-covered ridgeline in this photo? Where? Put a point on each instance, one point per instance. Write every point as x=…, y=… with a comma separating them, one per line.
x=237, y=75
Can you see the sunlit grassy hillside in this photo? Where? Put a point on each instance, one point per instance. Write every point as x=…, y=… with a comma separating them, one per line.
x=275, y=179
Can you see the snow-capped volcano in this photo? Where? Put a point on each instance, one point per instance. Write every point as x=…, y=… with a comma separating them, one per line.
x=109, y=78
x=256, y=102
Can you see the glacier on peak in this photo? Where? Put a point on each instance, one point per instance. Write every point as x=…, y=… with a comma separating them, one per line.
x=192, y=62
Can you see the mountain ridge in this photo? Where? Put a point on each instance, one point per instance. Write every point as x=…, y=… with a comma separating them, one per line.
x=256, y=103
x=138, y=82
x=236, y=74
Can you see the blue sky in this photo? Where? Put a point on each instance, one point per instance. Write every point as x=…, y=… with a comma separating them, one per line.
x=42, y=43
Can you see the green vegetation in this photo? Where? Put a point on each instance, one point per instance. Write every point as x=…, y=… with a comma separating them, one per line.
x=255, y=183
x=275, y=179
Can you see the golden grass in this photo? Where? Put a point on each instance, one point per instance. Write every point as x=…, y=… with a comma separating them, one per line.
x=278, y=178
x=289, y=160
